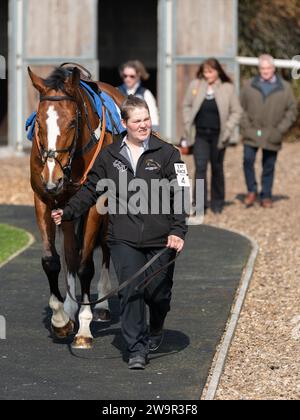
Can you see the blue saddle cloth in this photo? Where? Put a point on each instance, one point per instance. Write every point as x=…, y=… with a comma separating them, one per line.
x=113, y=120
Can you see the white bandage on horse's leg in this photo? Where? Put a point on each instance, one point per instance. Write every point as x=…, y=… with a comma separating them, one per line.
x=104, y=287
x=85, y=319
x=59, y=318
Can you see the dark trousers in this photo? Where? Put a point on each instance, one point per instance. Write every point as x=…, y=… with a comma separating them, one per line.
x=127, y=261
x=269, y=161
x=206, y=150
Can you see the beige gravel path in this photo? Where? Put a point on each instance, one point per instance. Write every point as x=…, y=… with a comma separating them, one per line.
x=264, y=360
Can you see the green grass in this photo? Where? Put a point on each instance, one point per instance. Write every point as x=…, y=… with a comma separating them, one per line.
x=11, y=241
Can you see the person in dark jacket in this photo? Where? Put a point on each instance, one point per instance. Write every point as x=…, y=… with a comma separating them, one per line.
x=270, y=110
x=134, y=237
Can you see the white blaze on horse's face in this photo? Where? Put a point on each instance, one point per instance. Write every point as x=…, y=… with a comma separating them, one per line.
x=53, y=132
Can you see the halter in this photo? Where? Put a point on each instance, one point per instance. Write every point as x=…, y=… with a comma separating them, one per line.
x=53, y=154
x=73, y=153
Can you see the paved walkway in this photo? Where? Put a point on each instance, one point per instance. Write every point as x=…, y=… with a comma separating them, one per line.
x=32, y=366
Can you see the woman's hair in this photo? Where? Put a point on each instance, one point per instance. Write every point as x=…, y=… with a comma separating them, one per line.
x=130, y=104
x=138, y=66
x=215, y=64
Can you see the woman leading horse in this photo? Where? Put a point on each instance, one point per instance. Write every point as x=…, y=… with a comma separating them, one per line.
x=147, y=223
x=68, y=136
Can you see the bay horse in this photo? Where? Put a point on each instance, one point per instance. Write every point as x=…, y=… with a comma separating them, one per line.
x=63, y=151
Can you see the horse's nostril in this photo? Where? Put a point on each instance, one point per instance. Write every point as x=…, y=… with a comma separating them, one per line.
x=51, y=192
x=50, y=188
x=54, y=188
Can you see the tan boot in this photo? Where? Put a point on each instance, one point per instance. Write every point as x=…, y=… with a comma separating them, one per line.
x=250, y=199
x=267, y=203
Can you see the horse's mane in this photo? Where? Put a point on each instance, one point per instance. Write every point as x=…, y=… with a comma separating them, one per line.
x=56, y=80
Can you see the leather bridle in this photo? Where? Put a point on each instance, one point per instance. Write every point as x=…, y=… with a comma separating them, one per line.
x=53, y=154
x=72, y=149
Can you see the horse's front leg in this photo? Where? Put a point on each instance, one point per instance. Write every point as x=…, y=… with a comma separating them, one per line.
x=101, y=311
x=86, y=271
x=71, y=260
x=84, y=337
x=61, y=324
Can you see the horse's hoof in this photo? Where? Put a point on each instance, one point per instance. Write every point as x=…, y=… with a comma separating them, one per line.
x=82, y=343
x=101, y=315
x=63, y=332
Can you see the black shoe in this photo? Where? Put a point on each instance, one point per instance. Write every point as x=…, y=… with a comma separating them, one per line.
x=137, y=362
x=217, y=209
x=155, y=340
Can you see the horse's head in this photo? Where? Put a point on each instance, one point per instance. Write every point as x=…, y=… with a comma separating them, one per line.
x=57, y=125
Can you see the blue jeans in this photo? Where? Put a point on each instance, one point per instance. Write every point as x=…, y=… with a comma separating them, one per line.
x=269, y=161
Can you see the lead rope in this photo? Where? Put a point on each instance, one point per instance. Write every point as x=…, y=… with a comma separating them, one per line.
x=118, y=289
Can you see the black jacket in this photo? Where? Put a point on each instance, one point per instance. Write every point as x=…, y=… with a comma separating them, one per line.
x=140, y=230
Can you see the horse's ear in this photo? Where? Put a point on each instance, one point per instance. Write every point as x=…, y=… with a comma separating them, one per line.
x=75, y=77
x=37, y=81
x=73, y=81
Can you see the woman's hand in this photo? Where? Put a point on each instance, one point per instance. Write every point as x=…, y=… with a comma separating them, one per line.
x=57, y=216
x=174, y=242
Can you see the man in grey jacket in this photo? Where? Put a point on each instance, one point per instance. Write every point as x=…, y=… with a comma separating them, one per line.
x=270, y=109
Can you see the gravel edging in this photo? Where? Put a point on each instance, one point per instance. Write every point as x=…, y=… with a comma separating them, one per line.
x=213, y=382
x=30, y=242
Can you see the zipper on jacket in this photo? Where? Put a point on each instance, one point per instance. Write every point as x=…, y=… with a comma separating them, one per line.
x=138, y=164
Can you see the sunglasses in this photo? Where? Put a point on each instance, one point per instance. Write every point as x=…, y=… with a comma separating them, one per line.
x=131, y=76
